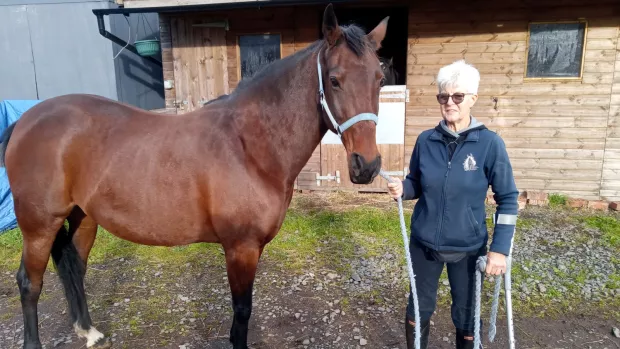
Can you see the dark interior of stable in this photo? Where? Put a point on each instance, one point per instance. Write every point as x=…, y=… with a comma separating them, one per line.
x=395, y=43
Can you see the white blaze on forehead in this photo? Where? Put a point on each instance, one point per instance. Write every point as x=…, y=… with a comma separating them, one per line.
x=91, y=335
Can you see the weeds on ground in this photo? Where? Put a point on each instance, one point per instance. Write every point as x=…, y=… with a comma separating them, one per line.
x=10, y=249
x=557, y=200
x=609, y=226
x=334, y=237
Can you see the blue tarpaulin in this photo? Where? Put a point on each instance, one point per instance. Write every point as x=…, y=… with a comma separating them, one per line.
x=10, y=111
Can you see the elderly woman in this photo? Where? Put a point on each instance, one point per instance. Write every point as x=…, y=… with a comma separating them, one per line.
x=450, y=171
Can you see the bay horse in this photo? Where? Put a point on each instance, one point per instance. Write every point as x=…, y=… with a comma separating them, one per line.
x=223, y=173
x=387, y=66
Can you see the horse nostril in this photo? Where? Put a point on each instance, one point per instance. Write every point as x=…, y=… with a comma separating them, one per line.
x=358, y=162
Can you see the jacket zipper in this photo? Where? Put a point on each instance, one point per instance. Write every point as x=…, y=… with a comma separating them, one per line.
x=443, y=205
x=443, y=194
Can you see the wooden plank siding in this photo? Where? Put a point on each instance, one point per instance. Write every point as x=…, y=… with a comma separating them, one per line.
x=200, y=62
x=167, y=60
x=556, y=132
x=610, y=180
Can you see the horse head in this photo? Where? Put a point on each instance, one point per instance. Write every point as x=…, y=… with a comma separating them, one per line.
x=353, y=79
x=387, y=66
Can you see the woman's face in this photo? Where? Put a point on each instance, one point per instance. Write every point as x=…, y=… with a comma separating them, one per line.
x=452, y=112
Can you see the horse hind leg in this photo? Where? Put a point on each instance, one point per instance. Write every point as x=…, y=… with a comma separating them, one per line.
x=70, y=254
x=37, y=244
x=241, y=264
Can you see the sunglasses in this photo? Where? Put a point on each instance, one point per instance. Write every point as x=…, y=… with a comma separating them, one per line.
x=457, y=98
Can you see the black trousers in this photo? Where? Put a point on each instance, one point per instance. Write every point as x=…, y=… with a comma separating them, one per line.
x=461, y=274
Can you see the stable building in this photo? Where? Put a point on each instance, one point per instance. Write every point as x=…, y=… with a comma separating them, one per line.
x=550, y=76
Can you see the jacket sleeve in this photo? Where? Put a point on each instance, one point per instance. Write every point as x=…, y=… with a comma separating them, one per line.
x=411, y=185
x=505, y=193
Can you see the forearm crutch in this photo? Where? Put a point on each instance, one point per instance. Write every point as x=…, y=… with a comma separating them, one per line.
x=480, y=270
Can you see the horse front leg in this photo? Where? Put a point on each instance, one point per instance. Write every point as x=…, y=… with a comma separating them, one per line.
x=241, y=262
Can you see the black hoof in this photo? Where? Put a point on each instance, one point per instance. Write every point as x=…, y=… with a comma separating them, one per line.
x=103, y=343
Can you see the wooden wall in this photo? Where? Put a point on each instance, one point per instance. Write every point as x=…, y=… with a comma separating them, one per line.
x=297, y=28
x=610, y=184
x=556, y=132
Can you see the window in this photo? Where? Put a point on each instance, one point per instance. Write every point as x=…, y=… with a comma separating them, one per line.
x=256, y=51
x=555, y=50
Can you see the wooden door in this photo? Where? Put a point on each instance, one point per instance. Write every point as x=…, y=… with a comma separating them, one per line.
x=200, y=62
x=390, y=141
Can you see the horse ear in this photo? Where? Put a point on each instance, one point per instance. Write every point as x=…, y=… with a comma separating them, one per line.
x=377, y=35
x=331, y=30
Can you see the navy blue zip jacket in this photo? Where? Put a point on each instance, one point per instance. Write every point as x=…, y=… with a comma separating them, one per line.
x=450, y=174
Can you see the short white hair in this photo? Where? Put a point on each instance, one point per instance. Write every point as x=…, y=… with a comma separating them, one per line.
x=461, y=74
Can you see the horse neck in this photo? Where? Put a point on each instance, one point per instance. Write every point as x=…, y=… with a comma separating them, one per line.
x=283, y=124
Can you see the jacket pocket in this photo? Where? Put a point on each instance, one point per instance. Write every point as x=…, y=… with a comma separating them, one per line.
x=423, y=227
x=417, y=217
x=472, y=220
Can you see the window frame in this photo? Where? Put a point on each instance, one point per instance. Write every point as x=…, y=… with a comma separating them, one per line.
x=237, y=38
x=559, y=78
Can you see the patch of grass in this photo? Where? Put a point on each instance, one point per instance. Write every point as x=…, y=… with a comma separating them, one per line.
x=614, y=281
x=609, y=226
x=10, y=249
x=332, y=237
x=557, y=200
x=108, y=246
x=525, y=223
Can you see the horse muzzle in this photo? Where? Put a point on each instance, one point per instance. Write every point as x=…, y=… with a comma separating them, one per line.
x=362, y=171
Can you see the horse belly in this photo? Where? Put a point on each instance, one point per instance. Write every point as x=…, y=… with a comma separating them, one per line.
x=150, y=214
x=154, y=231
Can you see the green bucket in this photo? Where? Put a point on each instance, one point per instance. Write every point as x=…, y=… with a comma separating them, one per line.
x=147, y=47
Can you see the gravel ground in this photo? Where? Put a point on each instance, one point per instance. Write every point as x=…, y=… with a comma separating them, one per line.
x=566, y=295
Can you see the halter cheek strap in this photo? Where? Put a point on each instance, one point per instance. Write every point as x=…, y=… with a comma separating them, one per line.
x=347, y=124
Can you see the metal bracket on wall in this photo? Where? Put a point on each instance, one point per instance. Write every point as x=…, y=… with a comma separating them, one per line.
x=329, y=177
x=181, y=104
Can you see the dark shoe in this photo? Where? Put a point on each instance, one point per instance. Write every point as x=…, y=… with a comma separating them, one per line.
x=465, y=340
x=425, y=329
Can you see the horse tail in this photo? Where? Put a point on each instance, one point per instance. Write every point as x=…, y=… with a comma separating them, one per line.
x=4, y=142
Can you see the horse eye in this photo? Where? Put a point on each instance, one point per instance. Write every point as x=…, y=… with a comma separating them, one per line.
x=334, y=81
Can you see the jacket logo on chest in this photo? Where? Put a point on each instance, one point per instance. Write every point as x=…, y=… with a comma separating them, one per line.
x=470, y=163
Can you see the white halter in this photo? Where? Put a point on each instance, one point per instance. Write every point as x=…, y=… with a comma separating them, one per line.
x=339, y=129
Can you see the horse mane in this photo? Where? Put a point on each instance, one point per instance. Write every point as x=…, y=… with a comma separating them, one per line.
x=356, y=39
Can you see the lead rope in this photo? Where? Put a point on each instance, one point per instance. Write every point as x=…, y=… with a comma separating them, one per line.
x=403, y=230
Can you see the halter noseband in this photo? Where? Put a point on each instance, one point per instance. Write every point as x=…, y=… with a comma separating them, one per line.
x=352, y=121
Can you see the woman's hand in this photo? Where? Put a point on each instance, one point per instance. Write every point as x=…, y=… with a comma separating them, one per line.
x=395, y=187
x=496, y=263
